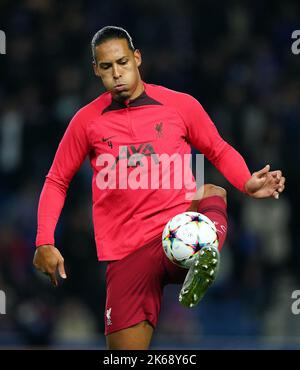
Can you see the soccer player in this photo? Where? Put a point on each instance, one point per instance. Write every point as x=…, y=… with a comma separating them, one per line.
x=124, y=132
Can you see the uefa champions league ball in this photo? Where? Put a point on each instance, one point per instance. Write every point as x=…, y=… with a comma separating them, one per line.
x=184, y=236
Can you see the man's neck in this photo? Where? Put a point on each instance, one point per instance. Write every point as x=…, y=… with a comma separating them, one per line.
x=138, y=91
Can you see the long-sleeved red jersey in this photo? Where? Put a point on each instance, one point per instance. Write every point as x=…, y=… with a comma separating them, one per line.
x=124, y=142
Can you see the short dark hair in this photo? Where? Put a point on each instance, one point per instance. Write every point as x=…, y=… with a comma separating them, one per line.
x=110, y=33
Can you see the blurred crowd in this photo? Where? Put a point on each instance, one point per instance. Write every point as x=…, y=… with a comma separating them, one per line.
x=235, y=57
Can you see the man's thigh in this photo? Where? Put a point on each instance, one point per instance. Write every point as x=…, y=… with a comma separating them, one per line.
x=137, y=337
x=134, y=291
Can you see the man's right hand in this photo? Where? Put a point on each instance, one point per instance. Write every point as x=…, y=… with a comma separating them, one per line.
x=48, y=259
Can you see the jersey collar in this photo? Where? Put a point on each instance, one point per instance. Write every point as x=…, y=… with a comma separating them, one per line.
x=142, y=100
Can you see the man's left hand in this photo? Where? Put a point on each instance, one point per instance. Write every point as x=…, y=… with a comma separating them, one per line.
x=265, y=183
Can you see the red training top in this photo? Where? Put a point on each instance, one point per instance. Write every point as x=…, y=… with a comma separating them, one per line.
x=124, y=142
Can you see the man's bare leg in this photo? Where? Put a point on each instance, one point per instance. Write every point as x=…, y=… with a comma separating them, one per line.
x=137, y=337
x=205, y=191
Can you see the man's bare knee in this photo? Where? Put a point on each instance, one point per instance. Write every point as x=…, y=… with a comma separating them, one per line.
x=211, y=190
x=205, y=191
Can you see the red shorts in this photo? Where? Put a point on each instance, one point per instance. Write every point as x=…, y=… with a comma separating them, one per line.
x=135, y=285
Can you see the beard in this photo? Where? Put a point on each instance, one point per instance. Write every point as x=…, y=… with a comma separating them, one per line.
x=122, y=96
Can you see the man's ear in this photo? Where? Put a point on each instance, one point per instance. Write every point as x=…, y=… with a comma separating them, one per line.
x=95, y=67
x=138, y=57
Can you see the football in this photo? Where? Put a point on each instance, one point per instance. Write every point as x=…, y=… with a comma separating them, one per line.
x=184, y=236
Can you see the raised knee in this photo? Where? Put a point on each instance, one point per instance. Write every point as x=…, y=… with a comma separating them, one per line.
x=213, y=190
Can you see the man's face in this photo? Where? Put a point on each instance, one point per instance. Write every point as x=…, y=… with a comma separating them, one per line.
x=117, y=66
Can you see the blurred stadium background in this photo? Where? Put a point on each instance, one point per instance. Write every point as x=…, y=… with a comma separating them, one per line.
x=235, y=57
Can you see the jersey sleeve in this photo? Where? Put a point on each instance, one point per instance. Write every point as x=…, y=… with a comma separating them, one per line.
x=69, y=156
x=202, y=134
